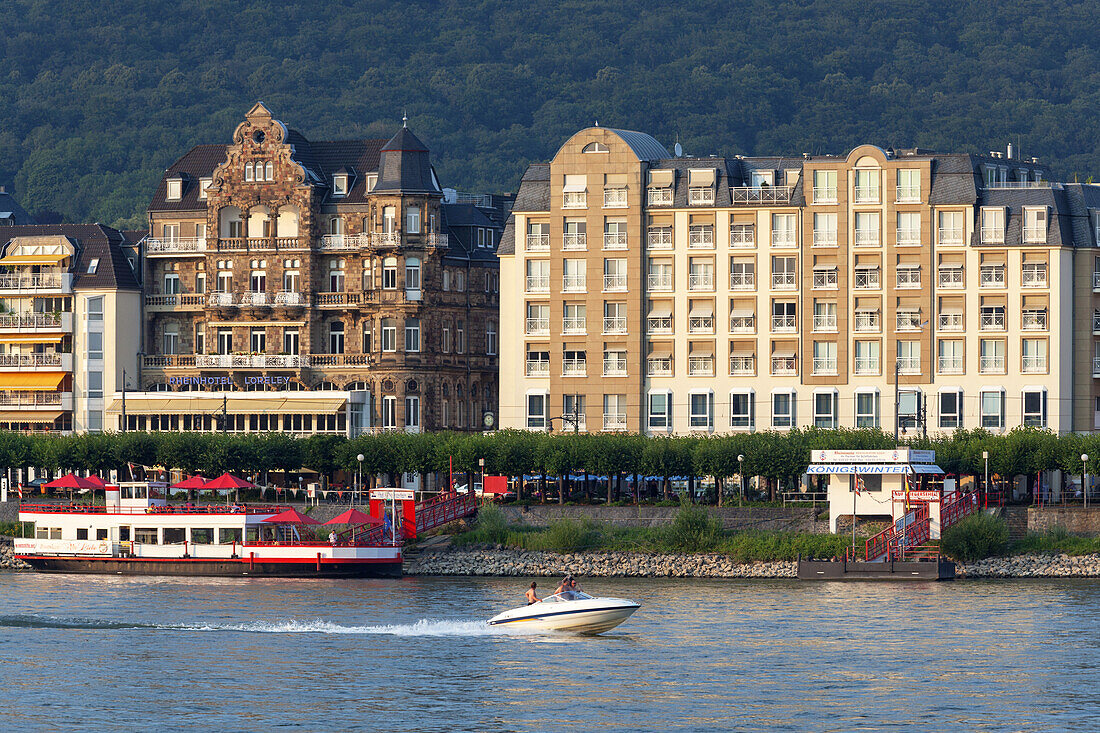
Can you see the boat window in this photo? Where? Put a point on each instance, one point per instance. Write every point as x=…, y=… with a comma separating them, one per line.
x=42, y=533
x=229, y=535
x=82, y=533
x=123, y=534
x=101, y=534
x=145, y=535
x=252, y=534
x=175, y=535
x=202, y=535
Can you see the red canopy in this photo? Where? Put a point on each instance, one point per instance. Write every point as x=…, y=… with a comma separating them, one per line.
x=96, y=482
x=291, y=516
x=227, y=481
x=70, y=481
x=354, y=516
x=195, y=482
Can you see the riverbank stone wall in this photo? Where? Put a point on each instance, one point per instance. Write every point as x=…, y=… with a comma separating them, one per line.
x=771, y=519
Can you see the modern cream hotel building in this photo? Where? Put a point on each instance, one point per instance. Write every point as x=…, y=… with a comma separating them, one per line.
x=663, y=294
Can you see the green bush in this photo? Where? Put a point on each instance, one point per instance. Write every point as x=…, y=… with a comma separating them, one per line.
x=1056, y=540
x=492, y=526
x=11, y=529
x=976, y=537
x=567, y=535
x=694, y=529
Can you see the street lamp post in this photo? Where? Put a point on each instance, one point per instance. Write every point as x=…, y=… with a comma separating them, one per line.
x=359, y=479
x=1084, y=471
x=741, y=479
x=985, y=486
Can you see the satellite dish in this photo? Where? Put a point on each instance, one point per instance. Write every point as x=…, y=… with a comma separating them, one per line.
x=678, y=149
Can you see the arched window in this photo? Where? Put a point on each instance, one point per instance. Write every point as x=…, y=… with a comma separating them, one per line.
x=594, y=147
x=248, y=171
x=269, y=173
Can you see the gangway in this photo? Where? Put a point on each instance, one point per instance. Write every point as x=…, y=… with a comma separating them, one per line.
x=907, y=537
x=444, y=508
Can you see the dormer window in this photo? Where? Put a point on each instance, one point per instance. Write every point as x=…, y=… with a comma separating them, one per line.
x=594, y=147
x=204, y=183
x=93, y=266
x=175, y=189
x=372, y=181
x=340, y=185
x=763, y=178
x=701, y=186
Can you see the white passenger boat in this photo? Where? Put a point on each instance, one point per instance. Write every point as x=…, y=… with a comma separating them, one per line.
x=572, y=611
x=138, y=533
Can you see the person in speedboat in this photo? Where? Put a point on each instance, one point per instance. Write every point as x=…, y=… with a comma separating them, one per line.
x=532, y=597
x=565, y=589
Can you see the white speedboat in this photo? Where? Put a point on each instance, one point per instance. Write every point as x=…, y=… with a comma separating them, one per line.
x=572, y=611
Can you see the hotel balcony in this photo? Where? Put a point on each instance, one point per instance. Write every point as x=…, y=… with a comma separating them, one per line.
x=909, y=365
x=614, y=366
x=33, y=400
x=760, y=196
x=574, y=367
x=251, y=361
x=538, y=327
x=181, y=301
x=340, y=242
x=36, y=282
x=538, y=368
x=335, y=361
x=256, y=244
x=342, y=299
x=36, y=322
x=28, y=362
x=538, y=242
x=168, y=361
x=951, y=365
x=175, y=247
x=614, y=421
x=1096, y=366
x=784, y=365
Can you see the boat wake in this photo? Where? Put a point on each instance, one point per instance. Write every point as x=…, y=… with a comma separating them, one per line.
x=423, y=627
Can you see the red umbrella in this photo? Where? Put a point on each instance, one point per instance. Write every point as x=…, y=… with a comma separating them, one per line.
x=70, y=481
x=291, y=516
x=354, y=516
x=195, y=482
x=96, y=482
x=227, y=481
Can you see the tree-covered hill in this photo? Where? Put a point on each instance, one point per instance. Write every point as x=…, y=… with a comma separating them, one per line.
x=97, y=98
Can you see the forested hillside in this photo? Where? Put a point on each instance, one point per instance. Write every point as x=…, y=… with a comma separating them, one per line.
x=99, y=97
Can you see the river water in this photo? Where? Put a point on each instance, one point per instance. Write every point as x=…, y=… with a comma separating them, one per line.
x=106, y=653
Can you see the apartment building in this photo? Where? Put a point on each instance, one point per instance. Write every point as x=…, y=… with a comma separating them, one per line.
x=666, y=294
x=70, y=325
x=316, y=287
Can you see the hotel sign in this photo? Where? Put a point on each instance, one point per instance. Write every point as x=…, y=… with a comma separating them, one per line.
x=894, y=455
x=861, y=468
x=226, y=381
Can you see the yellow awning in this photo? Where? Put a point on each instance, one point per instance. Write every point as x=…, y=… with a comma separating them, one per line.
x=37, y=381
x=28, y=416
x=195, y=403
x=38, y=338
x=32, y=259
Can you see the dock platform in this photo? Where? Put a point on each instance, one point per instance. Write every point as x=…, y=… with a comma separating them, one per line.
x=882, y=570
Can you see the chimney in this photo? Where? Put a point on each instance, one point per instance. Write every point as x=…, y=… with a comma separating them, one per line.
x=1011, y=150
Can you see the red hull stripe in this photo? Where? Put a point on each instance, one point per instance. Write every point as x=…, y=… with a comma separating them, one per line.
x=285, y=560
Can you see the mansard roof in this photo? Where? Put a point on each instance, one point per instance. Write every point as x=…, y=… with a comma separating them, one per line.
x=94, y=242
x=405, y=166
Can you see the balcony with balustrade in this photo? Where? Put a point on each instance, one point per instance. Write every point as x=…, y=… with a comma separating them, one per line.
x=825, y=195
x=867, y=237
x=991, y=276
x=538, y=368
x=743, y=280
x=255, y=299
x=573, y=283
x=992, y=319
x=784, y=366
x=175, y=247
x=614, y=324
x=760, y=195
x=952, y=277
x=908, y=278
x=908, y=237
x=659, y=196
x=614, y=283
x=260, y=244
x=867, y=322
x=951, y=235
x=700, y=366
x=742, y=236
x=951, y=364
x=907, y=321
x=220, y=299
x=1035, y=235
x=573, y=326
x=344, y=242
x=538, y=242
x=614, y=240
x=825, y=365
x=742, y=366
x=254, y=361
x=700, y=324
x=659, y=324
x=701, y=196
x=951, y=322
x=24, y=281
x=538, y=284
x=36, y=400
x=36, y=322
x=291, y=299
x=909, y=365
x=740, y=323
x=49, y=361
x=659, y=238
x=701, y=237
x=908, y=195
x=825, y=322
x=179, y=301
x=784, y=281
x=614, y=365
x=866, y=195
x=1034, y=364
x=991, y=364
x=574, y=241
x=1034, y=319
x=659, y=366
x=332, y=361
x=342, y=299
x=866, y=365
x=825, y=238
x=614, y=421
x=825, y=278
x=537, y=327
x=660, y=282
x=784, y=324
x=700, y=281
x=1096, y=366
x=1034, y=276
x=993, y=235
x=574, y=367
x=784, y=239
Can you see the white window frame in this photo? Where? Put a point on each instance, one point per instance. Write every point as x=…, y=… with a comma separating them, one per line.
x=743, y=421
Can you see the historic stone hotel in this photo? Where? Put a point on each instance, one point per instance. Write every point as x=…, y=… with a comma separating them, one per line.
x=315, y=287
x=882, y=288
